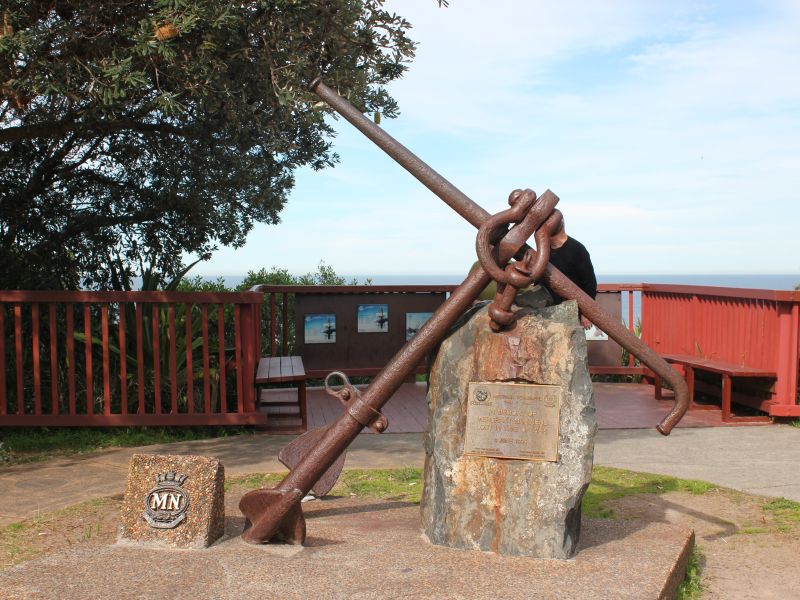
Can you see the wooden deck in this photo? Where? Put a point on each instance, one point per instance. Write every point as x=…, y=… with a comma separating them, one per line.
x=619, y=406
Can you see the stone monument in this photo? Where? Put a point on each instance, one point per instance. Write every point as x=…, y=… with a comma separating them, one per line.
x=176, y=501
x=511, y=435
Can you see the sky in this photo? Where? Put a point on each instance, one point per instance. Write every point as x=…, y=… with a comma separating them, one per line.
x=669, y=130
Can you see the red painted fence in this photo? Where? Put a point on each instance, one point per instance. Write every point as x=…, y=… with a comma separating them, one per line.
x=747, y=327
x=128, y=358
x=173, y=358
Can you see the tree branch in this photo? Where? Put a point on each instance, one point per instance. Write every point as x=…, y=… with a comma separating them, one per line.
x=51, y=129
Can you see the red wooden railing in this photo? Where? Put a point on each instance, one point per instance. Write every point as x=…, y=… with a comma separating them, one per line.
x=747, y=327
x=190, y=358
x=128, y=358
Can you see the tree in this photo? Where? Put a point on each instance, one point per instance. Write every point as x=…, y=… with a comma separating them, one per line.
x=134, y=133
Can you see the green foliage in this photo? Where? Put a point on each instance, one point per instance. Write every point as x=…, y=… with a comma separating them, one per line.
x=691, y=588
x=609, y=483
x=749, y=530
x=325, y=275
x=637, y=331
x=133, y=133
x=162, y=327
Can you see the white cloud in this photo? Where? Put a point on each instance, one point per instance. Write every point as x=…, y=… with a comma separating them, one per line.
x=669, y=130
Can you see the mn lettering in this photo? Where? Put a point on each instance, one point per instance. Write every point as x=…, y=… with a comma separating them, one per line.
x=165, y=501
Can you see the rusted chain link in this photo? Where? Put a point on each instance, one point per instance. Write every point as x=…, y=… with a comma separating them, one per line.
x=524, y=272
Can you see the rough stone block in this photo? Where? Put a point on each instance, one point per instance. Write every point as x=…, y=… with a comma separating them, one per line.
x=176, y=501
x=505, y=505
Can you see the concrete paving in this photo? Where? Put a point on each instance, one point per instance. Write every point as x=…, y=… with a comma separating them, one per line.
x=759, y=460
x=756, y=459
x=345, y=559
x=361, y=549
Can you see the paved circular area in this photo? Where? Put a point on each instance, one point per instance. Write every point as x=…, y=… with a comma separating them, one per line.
x=362, y=549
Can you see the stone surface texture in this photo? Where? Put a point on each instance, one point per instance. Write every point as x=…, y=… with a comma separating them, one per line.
x=512, y=507
x=205, y=486
x=360, y=548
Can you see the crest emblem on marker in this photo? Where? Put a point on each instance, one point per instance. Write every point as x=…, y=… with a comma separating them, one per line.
x=481, y=395
x=166, y=504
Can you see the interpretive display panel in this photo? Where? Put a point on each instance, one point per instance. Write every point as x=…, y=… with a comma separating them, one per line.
x=355, y=351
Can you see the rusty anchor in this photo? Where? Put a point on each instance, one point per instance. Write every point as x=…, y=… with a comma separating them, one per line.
x=316, y=458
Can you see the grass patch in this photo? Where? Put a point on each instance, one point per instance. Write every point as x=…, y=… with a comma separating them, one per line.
x=253, y=481
x=609, y=483
x=28, y=444
x=403, y=485
x=383, y=484
x=783, y=512
x=93, y=521
x=752, y=530
x=691, y=588
x=406, y=485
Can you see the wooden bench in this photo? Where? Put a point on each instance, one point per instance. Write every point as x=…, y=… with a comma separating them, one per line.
x=283, y=369
x=727, y=370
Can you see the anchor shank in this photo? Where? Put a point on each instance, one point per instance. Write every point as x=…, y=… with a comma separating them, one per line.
x=476, y=215
x=345, y=429
x=562, y=285
x=451, y=195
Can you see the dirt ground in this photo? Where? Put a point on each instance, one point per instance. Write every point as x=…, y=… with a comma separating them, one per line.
x=749, y=545
x=749, y=550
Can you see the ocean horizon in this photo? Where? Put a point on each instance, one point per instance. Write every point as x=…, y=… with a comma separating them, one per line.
x=781, y=281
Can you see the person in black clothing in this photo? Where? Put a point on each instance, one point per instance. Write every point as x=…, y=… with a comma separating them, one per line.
x=570, y=257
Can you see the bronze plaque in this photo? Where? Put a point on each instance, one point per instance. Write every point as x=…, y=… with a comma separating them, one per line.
x=513, y=420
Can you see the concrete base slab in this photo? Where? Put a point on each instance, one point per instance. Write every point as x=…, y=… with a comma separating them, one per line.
x=363, y=549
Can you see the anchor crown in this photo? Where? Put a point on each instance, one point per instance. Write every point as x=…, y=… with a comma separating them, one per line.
x=170, y=477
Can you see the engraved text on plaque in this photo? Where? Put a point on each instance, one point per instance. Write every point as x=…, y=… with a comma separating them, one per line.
x=513, y=420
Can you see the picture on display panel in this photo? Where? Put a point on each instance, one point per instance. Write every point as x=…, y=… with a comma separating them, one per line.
x=319, y=329
x=595, y=334
x=414, y=321
x=373, y=318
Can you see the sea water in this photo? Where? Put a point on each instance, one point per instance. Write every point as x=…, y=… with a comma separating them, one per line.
x=781, y=281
